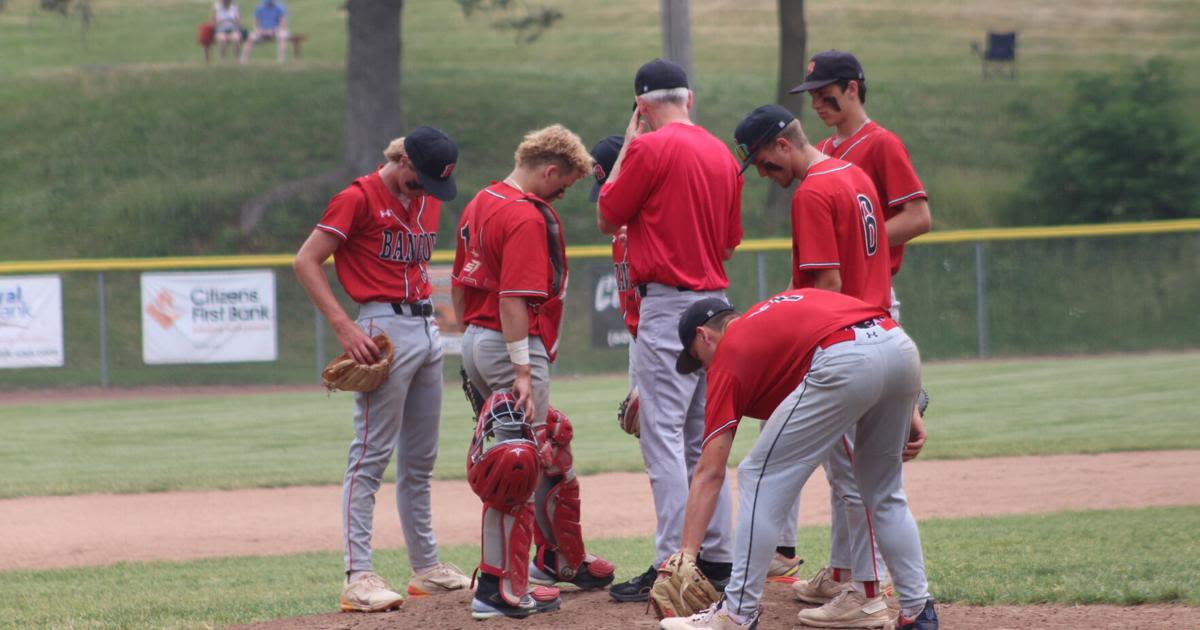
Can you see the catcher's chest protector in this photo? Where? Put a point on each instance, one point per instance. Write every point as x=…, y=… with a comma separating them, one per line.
x=503, y=469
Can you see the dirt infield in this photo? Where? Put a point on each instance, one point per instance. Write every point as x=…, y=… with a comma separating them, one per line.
x=96, y=529
x=596, y=611
x=47, y=532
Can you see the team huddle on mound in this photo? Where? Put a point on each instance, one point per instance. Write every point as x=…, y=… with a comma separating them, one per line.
x=824, y=364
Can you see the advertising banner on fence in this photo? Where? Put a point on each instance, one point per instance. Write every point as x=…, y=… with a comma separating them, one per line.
x=208, y=317
x=608, y=324
x=31, y=321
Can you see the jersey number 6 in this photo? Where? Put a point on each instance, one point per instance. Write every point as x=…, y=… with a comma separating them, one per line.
x=870, y=225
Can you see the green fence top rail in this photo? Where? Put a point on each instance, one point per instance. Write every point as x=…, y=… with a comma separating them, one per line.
x=604, y=251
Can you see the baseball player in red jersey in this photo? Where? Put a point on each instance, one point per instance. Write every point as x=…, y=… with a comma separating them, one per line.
x=509, y=278
x=815, y=364
x=838, y=234
x=383, y=228
x=837, y=85
x=677, y=190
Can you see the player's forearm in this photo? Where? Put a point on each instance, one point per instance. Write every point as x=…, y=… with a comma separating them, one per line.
x=701, y=504
x=913, y=220
x=514, y=318
x=316, y=285
x=458, y=297
x=704, y=492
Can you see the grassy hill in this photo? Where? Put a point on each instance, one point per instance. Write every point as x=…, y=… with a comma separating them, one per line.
x=125, y=142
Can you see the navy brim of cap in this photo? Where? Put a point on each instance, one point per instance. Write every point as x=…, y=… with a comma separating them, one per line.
x=594, y=196
x=442, y=189
x=809, y=86
x=686, y=363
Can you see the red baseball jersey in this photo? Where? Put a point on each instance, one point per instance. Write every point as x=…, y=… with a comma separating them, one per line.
x=510, y=245
x=386, y=247
x=680, y=195
x=884, y=157
x=837, y=224
x=631, y=300
x=766, y=353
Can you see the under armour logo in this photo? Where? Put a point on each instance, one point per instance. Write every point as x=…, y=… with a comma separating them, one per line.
x=383, y=214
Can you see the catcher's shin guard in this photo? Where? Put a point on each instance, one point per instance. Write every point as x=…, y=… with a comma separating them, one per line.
x=503, y=469
x=505, y=549
x=559, y=536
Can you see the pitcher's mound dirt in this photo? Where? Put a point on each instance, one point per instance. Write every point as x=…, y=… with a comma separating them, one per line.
x=596, y=611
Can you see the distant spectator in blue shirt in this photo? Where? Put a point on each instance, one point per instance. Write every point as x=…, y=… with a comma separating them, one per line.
x=270, y=22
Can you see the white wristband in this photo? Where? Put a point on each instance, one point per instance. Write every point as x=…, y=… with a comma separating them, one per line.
x=518, y=351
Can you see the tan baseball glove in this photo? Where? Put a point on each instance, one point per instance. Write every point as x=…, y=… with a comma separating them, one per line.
x=346, y=374
x=627, y=415
x=681, y=589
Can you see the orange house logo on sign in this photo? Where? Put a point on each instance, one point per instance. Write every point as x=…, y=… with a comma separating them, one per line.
x=163, y=310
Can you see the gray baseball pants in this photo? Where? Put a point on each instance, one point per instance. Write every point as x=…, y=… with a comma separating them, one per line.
x=488, y=366
x=868, y=385
x=401, y=416
x=851, y=545
x=672, y=423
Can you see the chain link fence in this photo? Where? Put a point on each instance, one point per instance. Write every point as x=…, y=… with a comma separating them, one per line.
x=961, y=298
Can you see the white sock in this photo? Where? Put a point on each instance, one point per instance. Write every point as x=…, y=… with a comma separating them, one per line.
x=859, y=588
x=736, y=618
x=911, y=612
x=354, y=575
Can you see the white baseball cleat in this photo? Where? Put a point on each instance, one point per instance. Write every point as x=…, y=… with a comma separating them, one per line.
x=442, y=577
x=820, y=589
x=369, y=593
x=850, y=609
x=714, y=617
x=783, y=569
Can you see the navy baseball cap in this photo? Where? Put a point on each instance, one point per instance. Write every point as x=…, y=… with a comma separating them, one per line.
x=829, y=67
x=758, y=128
x=659, y=74
x=694, y=317
x=433, y=155
x=605, y=155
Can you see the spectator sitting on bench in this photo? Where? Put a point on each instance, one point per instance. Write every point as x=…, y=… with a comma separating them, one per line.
x=270, y=22
x=227, y=25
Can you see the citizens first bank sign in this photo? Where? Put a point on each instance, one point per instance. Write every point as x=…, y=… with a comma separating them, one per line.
x=209, y=317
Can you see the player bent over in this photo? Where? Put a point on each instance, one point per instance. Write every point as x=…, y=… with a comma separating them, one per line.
x=383, y=228
x=509, y=277
x=813, y=363
x=838, y=88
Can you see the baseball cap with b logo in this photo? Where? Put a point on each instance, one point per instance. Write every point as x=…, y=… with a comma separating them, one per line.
x=605, y=155
x=433, y=155
x=694, y=317
x=757, y=129
x=829, y=67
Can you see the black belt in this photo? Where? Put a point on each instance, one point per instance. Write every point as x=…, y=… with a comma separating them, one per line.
x=641, y=289
x=416, y=309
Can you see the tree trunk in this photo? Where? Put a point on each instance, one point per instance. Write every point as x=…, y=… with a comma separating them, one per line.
x=373, y=113
x=677, y=36
x=793, y=38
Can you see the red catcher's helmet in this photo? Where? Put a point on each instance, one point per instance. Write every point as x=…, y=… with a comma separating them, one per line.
x=506, y=473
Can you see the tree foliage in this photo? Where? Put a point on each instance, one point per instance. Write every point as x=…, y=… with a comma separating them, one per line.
x=527, y=22
x=1120, y=151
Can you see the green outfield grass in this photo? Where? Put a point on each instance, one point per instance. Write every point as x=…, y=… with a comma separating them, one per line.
x=979, y=409
x=128, y=138
x=1116, y=557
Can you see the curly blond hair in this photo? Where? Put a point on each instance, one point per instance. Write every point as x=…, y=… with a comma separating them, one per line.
x=555, y=144
x=394, y=150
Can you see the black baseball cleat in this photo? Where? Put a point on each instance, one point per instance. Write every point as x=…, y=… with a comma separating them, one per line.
x=926, y=620
x=595, y=572
x=635, y=590
x=488, y=604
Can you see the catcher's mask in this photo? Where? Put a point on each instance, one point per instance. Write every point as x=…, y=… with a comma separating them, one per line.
x=503, y=466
